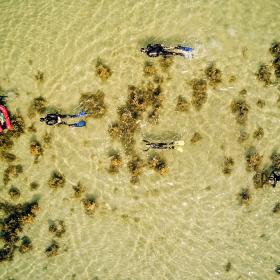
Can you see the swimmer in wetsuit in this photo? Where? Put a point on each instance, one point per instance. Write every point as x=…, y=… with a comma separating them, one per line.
x=57, y=119
x=163, y=145
x=154, y=50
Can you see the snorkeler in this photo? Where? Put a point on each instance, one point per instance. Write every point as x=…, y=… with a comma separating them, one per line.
x=154, y=50
x=57, y=119
x=164, y=146
x=274, y=178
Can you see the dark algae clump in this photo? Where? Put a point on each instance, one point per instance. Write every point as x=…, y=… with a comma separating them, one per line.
x=52, y=249
x=244, y=196
x=275, y=158
x=275, y=49
x=183, y=104
x=14, y=193
x=258, y=133
x=57, y=228
x=93, y=103
x=12, y=224
x=276, y=208
x=102, y=70
x=264, y=74
x=196, y=138
x=38, y=105
x=149, y=68
x=12, y=171
x=34, y=186
x=57, y=180
x=78, y=189
x=240, y=108
x=26, y=245
x=228, y=165
x=90, y=205
x=39, y=76
x=213, y=74
x=260, y=179
x=8, y=157
x=228, y=267
x=260, y=103
x=158, y=164
x=36, y=149
x=199, y=95
x=135, y=167
x=253, y=159
x=115, y=163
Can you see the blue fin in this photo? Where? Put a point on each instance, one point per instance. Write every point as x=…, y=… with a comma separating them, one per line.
x=78, y=124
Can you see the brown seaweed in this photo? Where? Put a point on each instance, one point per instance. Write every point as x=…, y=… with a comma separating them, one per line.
x=57, y=180
x=102, y=70
x=228, y=165
x=240, y=108
x=57, y=228
x=183, y=104
x=158, y=164
x=93, y=103
x=52, y=249
x=199, y=95
x=213, y=74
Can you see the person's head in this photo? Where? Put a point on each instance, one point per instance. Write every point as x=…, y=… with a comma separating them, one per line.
x=143, y=50
x=42, y=119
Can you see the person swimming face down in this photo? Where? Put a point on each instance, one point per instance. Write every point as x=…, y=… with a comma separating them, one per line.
x=52, y=119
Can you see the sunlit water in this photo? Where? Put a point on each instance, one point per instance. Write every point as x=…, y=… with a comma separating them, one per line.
x=187, y=224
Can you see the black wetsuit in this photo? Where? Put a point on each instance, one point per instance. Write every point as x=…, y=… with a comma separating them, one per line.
x=52, y=119
x=156, y=50
x=159, y=146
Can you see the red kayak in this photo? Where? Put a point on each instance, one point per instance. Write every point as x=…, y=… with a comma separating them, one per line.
x=7, y=119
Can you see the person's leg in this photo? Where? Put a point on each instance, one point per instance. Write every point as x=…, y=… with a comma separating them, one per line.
x=81, y=114
x=78, y=124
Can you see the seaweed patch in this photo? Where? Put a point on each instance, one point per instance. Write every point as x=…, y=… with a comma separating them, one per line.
x=52, y=249
x=135, y=167
x=93, y=104
x=183, y=104
x=258, y=133
x=253, y=159
x=89, y=204
x=244, y=196
x=264, y=74
x=14, y=193
x=36, y=149
x=57, y=180
x=199, y=95
x=78, y=189
x=102, y=70
x=115, y=163
x=38, y=105
x=228, y=165
x=158, y=164
x=240, y=108
x=12, y=171
x=16, y=216
x=213, y=74
x=196, y=138
x=57, y=227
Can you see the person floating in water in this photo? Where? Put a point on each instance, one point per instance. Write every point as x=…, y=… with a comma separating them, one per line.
x=4, y=116
x=154, y=50
x=274, y=178
x=58, y=119
x=164, y=145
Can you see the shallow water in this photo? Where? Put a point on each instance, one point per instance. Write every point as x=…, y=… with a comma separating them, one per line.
x=187, y=224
